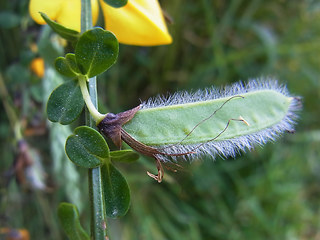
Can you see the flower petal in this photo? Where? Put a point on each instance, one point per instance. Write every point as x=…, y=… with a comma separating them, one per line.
x=51, y=8
x=139, y=22
x=65, y=12
x=37, y=66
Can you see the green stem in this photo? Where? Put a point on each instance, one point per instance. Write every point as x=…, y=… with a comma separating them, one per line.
x=13, y=119
x=98, y=212
x=86, y=16
x=95, y=114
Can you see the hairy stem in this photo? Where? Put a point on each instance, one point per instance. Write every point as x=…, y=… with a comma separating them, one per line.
x=98, y=212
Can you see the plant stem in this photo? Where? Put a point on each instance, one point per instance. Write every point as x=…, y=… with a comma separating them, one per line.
x=98, y=212
x=13, y=119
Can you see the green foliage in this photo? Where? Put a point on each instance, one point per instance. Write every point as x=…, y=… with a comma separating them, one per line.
x=49, y=49
x=116, y=3
x=65, y=103
x=69, y=219
x=265, y=194
x=17, y=73
x=70, y=176
x=67, y=66
x=67, y=33
x=9, y=20
x=116, y=191
x=96, y=51
x=87, y=148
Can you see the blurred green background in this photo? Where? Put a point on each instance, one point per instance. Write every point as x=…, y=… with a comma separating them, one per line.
x=270, y=193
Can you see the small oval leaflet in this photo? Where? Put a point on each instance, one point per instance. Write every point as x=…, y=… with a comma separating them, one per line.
x=65, y=103
x=96, y=51
x=87, y=148
x=69, y=218
x=67, y=66
x=116, y=191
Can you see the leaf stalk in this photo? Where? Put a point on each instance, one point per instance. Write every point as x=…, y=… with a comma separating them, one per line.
x=95, y=114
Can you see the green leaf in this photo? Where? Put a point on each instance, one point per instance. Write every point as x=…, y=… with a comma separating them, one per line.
x=71, y=60
x=49, y=49
x=124, y=156
x=67, y=33
x=63, y=67
x=65, y=103
x=166, y=125
x=116, y=191
x=67, y=66
x=69, y=219
x=18, y=74
x=96, y=51
x=87, y=148
x=116, y=3
x=9, y=20
x=37, y=92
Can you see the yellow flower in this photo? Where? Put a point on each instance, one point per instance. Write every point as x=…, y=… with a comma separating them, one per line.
x=37, y=66
x=65, y=12
x=139, y=22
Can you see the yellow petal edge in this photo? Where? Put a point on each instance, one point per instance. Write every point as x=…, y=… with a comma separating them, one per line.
x=139, y=22
x=65, y=12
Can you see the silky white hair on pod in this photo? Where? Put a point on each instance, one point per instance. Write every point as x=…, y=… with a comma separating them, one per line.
x=230, y=147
